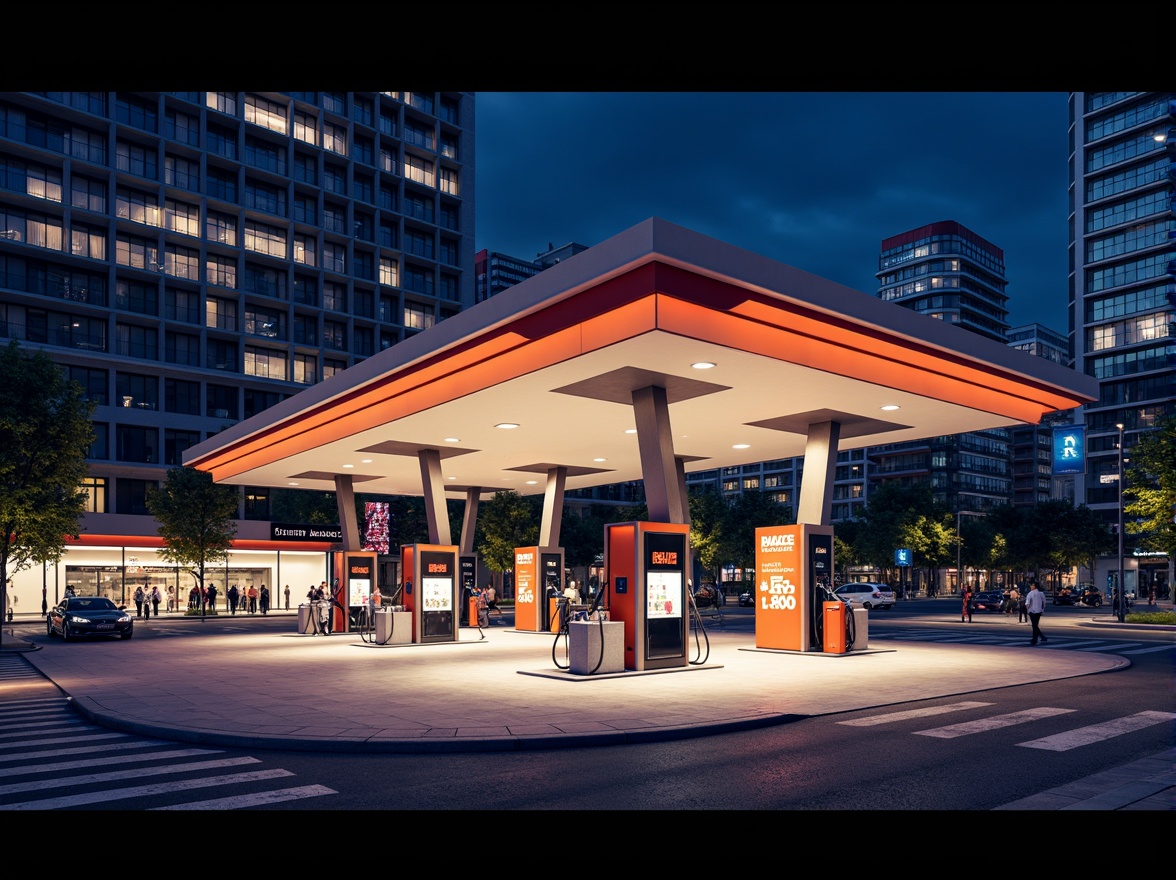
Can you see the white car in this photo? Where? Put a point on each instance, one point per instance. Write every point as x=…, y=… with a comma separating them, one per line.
x=866, y=595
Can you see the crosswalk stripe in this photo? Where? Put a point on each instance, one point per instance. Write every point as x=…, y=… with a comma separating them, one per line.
x=994, y=723
x=1083, y=736
x=116, y=794
x=1152, y=650
x=105, y=748
x=60, y=740
x=912, y=713
x=1117, y=647
x=61, y=766
x=259, y=799
x=119, y=775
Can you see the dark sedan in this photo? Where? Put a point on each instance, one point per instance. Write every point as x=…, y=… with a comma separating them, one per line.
x=83, y=616
x=991, y=600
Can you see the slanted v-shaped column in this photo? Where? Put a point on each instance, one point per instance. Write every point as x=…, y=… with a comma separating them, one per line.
x=820, y=462
x=345, y=502
x=553, y=507
x=659, y=471
x=436, y=514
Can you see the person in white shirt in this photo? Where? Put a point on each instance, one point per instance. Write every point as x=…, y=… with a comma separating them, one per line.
x=1035, y=606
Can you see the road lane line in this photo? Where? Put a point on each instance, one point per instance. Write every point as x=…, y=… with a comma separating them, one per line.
x=912, y=713
x=1084, y=736
x=996, y=722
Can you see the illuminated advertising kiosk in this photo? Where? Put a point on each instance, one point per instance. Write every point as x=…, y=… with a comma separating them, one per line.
x=431, y=591
x=353, y=579
x=646, y=564
x=538, y=584
x=790, y=562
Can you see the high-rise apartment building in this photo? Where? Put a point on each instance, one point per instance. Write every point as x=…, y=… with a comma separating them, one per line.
x=192, y=258
x=1122, y=290
x=947, y=271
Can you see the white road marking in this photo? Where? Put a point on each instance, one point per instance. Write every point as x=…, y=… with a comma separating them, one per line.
x=61, y=766
x=996, y=722
x=116, y=794
x=1084, y=736
x=255, y=800
x=118, y=775
x=912, y=713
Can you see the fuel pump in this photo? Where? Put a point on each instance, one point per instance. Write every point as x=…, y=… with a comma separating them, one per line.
x=597, y=611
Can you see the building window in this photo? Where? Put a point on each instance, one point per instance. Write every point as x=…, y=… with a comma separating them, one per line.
x=182, y=218
x=305, y=210
x=264, y=198
x=182, y=348
x=265, y=113
x=419, y=170
x=221, y=271
x=180, y=396
x=131, y=496
x=257, y=401
x=449, y=182
x=268, y=157
x=222, y=185
x=334, y=335
x=417, y=318
x=87, y=194
x=335, y=180
x=221, y=228
x=305, y=369
x=306, y=128
x=304, y=250
x=225, y=102
x=93, y=382
x=183, y=173
x=137, y=160
x=175, y=443
x=305, y=330
x=264, y=239
x=136, y=391
x=335, y=257
x=264, y=363
x=221, y=401
x=332, y=367
x=95, y=489
x=182, y=262
x=334, y=296
x=265, y=322
x=134, y=296
x=85, y=241
x=222, y=141
x=137, y=206
x=305, y=169
x=335, y=139
x=137, y=342
x=222, y=355
x=221, y=314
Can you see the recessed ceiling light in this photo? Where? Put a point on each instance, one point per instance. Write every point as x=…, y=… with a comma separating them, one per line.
x=532, y=482
x=348, y=465
x=506, y=425
x=600, y=459
x=366, y=461
x=630, y=430
x=451, y=478
x=452, y=439
x=293, y=484
x=890, y=406
x=702, y=365
x=741, y=446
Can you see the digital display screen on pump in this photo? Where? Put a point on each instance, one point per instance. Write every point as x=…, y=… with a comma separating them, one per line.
x=664, y=596
x=436, y=594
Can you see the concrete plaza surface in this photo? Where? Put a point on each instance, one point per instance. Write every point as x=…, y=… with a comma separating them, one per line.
x=288, y=690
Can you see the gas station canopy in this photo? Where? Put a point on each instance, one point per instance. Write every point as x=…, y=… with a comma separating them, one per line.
x=718, y=356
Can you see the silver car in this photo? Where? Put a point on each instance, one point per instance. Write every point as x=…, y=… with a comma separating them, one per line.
x=866, y=595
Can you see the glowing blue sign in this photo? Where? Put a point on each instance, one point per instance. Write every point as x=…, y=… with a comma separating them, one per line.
x=1069, y=451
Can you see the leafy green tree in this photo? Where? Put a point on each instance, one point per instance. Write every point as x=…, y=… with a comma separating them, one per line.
x=508, y=520
x=748, y=511
x=196, y=519
x=708, y=510
x=886, y=523
x=44, y=433
x=1149, y=491
x=304, y=506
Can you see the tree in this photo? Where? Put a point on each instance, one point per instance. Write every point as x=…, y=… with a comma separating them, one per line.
x=748, y=511
x=44, y=433
x=707, y=511
x=1150, y=489
x=506, y=521
x=196, y=519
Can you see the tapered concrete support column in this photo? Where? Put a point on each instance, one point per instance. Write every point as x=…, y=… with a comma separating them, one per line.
x=345, y=502
x=659, y=470
x=436, y=513
x=820, y=463
x=469, y=521
x=553, y=507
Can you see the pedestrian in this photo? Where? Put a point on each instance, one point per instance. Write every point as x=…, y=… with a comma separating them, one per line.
x=287, y=597
x=147, y=604
x=1035, y=606
x=966, y=608
x=233, y=596
x=263, y=600
x=194, y=599
x=138, y=601
x=1151, y=595
x=251, y=592
x=1015, y=602
x=491, y=601
x=156, y=598
x=1006, y=600
x=210, y=600
x=171, y=599
x=484, y=607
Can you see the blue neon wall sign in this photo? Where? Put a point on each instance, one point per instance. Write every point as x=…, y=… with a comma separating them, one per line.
x=1069, y=451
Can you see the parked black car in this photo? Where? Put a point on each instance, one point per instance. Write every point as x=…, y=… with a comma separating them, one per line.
x=1091, y=597
x=80, y=616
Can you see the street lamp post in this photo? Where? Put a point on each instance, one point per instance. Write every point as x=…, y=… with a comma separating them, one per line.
x=1120, y=585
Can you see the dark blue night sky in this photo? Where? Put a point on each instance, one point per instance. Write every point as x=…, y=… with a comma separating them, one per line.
x=813, y=179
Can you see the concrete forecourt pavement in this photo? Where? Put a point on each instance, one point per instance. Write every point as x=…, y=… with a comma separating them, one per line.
x=501, y=689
